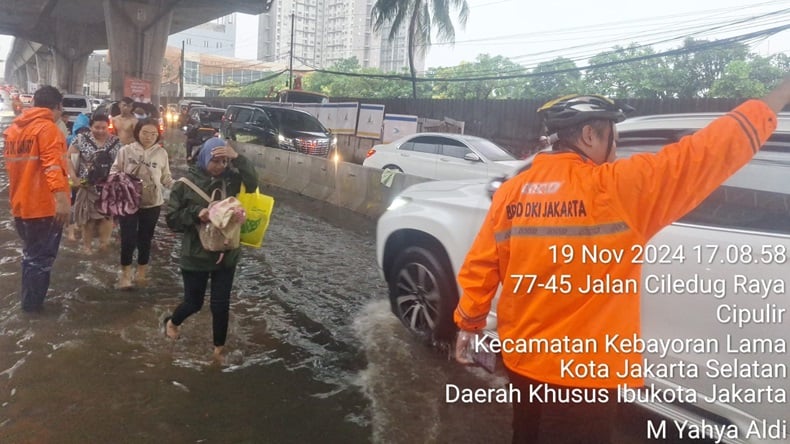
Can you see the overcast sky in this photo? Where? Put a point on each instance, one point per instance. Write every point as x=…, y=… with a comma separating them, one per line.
x=519, y=28
x=531, y=32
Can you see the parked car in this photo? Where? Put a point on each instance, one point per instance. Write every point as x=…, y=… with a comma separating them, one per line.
x=204, y=123
x=6, y=114
x=739, y=236
x=442, y=156
x=74, y=105
x=26, y=99
x=95, y=103
x=279, y=127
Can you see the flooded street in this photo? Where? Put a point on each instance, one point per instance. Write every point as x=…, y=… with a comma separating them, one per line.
x=315, y=354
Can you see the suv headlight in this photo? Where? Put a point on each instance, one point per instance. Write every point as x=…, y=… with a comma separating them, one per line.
x=398, y=202
x=286, y=141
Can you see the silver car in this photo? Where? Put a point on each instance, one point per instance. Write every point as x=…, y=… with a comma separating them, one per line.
x=713, y=286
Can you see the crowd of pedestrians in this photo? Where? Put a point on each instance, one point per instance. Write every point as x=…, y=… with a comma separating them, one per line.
x=55, y=181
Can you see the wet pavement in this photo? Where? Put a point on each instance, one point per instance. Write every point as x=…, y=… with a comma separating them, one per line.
x=315, y=354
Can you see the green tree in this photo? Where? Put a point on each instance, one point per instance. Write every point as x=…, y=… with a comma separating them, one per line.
x=421, y=16
x=701, y=64
x=628, y=72
x=230, y=89
x=555, y=78
x=264, y=89
x=483, y=66
x=737, y=82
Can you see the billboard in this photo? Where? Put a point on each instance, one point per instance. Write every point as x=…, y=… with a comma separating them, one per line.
x=138, y=89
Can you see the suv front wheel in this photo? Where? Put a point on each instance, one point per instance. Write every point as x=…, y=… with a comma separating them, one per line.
x=423, y=293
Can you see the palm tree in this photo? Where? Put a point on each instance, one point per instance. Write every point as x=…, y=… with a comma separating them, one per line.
x=421, y=16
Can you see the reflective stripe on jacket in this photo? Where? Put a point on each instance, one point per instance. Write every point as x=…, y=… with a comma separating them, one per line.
x=35, y=158
x=563, y=207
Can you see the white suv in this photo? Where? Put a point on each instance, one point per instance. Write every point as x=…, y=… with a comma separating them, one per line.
x=727, y=292
x=74, y=105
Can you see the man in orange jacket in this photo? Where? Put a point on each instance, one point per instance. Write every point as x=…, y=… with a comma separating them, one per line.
x=35, y=159
x=576, y=197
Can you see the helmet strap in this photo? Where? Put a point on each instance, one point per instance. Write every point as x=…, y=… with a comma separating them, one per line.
x=611, y=141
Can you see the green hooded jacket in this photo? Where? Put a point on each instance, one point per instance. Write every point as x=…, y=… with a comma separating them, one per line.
x=185, y=205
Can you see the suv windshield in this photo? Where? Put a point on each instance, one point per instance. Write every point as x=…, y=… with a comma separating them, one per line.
x=295, y=119
x=74, y=102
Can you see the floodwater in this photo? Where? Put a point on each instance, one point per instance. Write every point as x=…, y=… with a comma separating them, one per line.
x=315, y=354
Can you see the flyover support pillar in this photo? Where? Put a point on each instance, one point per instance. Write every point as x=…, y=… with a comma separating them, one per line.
x=137, y=37
x=70, y=51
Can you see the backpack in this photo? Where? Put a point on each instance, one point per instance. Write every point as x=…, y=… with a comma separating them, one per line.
x=99, y=168
x=223, y=231
x=120, y=195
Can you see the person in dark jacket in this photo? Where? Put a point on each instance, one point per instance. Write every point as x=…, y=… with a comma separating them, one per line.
x=218, y=166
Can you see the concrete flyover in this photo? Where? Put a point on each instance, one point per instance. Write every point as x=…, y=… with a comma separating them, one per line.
x=61, y=34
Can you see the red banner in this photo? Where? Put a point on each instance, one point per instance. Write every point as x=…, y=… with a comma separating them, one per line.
x=138, y=89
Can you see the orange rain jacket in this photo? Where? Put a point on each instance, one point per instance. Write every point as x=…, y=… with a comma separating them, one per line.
x=35, y=158
x=564, y=201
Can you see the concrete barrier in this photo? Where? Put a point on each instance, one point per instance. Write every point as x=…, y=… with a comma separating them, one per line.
x=343, y=184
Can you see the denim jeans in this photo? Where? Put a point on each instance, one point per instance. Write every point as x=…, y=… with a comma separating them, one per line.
x=40, y=243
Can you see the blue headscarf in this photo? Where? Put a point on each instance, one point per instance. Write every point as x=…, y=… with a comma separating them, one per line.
x=205, y=153
x=82, y=121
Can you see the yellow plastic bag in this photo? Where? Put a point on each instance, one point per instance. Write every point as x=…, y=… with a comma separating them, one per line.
x=259, y=210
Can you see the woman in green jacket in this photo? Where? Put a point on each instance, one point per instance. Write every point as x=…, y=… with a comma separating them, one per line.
x=218, y=167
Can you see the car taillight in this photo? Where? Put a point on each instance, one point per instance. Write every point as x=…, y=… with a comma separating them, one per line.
x=370, y=152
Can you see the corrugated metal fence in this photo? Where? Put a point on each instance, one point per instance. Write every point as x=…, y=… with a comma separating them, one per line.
x=511, y=123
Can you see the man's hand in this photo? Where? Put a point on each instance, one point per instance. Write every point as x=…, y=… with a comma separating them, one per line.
x=462, y=354
x=779, y=97
x=62, y=207
x=203, y=215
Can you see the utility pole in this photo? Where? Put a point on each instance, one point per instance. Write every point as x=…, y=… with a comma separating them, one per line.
x=98, y=73
x=291, y=65
x=181, y=74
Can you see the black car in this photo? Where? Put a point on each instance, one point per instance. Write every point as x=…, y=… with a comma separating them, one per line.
x=204, y=123
x=281, y=127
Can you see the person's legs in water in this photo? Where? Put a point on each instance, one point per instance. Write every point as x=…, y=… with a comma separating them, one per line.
x=105, y=231
x=128, y=226
x=221, y=284
x=88, y=233
x=195, y=283
x=40, y=244
x=145, y=234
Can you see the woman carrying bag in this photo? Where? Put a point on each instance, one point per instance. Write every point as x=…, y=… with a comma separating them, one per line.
x=148, y=161
x=218, y=167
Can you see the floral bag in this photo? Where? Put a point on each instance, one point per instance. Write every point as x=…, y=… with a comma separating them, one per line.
x=226, y=216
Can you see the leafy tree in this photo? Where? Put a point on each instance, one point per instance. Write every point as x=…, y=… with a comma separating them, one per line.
x=704, y=62
x=264, y=89
x=422, y=16
x=230, y=89
x=484, y=66
x=555, y=78
x=643, y=77
x=737, y=82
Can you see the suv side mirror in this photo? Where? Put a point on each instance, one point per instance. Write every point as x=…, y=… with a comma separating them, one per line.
x=472, y=157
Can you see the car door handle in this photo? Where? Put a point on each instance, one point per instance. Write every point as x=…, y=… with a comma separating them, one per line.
x=404, y=154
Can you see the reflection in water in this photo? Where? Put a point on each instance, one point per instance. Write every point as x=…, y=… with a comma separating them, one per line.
x=316, y=356
x=96, y=366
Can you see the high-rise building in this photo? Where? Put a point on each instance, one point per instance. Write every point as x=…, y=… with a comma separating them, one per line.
x=216, y=37
x=327, y=31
